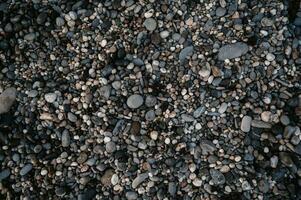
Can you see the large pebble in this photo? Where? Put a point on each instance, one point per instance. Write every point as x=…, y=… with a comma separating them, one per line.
x=134, y=101
x=217, y=177
x=232, y=51
x=139, y=179
x=65, y=138
x=7, y=99
x=27, y=168
x=50, y=97
x=187, y=51
x=4, y=174
x=246, y=124
x=150, y=24
x=131, y=195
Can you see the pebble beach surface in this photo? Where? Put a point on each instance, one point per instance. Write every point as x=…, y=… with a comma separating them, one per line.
x=126, y=100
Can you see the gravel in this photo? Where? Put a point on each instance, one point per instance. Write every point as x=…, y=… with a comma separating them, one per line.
x=150, y=99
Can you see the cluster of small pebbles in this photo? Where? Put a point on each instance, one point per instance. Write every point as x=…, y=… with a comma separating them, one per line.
x=124, y=99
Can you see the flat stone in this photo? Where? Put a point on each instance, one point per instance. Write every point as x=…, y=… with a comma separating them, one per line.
x=7, y=99
x=139, y=179
x=26, y=169
x=187, y=51
x=150, y=24
x=217, y=177
x=134, y=101
x=231, y=51
x=261, y=124
x=246, y=124
x=187, y=118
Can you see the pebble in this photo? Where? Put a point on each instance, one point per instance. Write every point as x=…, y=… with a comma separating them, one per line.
x=217, y=177
x=26, y=169
x=110, y=147
x=261, y=124
x=150, y=115
x=131, y=195
x=139, y=179
x=7, y=99
x=59, y=21
x=187, y=51
x=223, y=108
x=107, y=177
x=246, y=124
x=50, y=97
x=231, y=51
x=220, y=11
x=115, y=179
x=71, y=117
x=164, y=34
x=4, y=174
x=197, y=182
x=150, y=101
x=30, y=36
x=150, y=24
x=134, y=101
x=65, y=139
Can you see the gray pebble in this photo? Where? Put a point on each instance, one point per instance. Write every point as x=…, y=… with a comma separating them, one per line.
x=220, y=12
x=187, y=51
x=139, y=179
x=4, y=174
x=187, y=118
x=217, y=177
x=150, y=101
x=150, y=115
x=7, y=99
x=199, y=111
x=261, y=124
x=27, y=168
x=232, y=51
x=134, y=101
x=150, y=24
x=110, y=147
x=59, y=21
x=72, y=117
x=131, y=195
x=50, y=97
x=246, y=124
x=30, y=36
x=65, y=138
